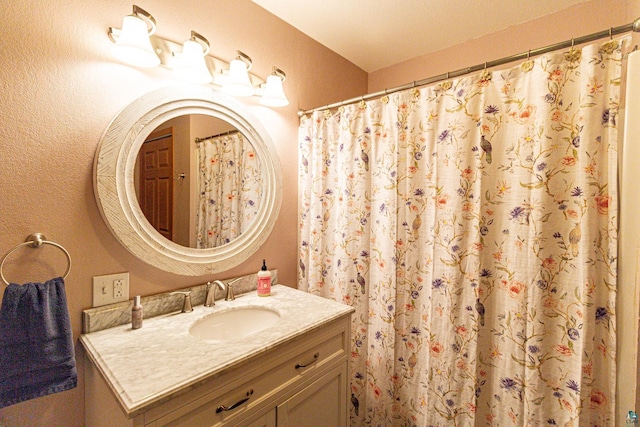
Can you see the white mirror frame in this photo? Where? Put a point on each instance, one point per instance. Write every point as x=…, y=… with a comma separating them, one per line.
x=114, y=185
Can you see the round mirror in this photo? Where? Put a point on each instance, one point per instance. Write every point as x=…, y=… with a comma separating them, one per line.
x=227, y=179
x=198, y=181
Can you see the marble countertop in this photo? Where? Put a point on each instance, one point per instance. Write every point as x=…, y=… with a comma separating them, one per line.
x=147, y=366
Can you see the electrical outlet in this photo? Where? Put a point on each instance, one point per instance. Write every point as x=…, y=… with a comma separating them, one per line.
x=110, y=289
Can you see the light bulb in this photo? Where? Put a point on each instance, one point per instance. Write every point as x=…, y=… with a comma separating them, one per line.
x=237, y=82
x=273, y=95
x=133, y=45
x=191, y=65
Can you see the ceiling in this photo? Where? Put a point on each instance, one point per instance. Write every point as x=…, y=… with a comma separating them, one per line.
x=374, y=34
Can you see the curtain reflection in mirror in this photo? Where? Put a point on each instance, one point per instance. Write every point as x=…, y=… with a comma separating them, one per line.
x=229, y=188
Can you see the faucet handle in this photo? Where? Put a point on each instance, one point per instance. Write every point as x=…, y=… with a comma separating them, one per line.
x=186, y=306
x=230, y=296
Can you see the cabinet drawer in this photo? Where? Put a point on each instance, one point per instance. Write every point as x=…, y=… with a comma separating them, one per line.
x=254, y=388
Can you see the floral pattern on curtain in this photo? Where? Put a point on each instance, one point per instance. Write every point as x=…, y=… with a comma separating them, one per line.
x=229, y=188
x=472, y=225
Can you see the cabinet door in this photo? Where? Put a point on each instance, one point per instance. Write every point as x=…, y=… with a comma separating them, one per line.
x=322, y=403
x=267, y=420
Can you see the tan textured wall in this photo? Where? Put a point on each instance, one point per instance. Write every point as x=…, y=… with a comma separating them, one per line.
x=60, y=88
x=583, y=18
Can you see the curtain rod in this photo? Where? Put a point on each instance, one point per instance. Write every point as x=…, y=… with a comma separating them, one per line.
x=229, y=132
x=634, y=26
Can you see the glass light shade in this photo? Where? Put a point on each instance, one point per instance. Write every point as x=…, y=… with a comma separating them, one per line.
x=191, y=66
x=133, y=45
x=237, y=82
x=273, y=95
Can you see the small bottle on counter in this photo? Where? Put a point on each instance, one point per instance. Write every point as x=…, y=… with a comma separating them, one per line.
x=264, y=281
x=136, y=313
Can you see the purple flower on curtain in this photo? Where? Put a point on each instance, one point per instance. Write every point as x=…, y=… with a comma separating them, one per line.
x=573, y=333
x=508, y=383
x=443, y=135
x=573, y=386
x=577, y=192
x=602, y=314
x=437, y=284
x=491, y=109
x=550, y=98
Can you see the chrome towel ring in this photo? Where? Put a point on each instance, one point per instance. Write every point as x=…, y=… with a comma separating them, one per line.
x=35, y=240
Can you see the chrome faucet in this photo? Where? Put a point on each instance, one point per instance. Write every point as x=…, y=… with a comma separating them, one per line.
x=210, y=295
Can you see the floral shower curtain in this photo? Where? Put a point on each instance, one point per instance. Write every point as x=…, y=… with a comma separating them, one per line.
x=472, y=225
x=229, y=182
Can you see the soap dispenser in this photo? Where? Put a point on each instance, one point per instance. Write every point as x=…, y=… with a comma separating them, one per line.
x=264, y=281
x=136, y=313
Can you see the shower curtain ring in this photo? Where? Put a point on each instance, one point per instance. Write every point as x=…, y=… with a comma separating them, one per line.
x=529, y=55
x=610, y=33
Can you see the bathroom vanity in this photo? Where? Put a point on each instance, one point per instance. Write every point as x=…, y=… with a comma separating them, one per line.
x=293, y=373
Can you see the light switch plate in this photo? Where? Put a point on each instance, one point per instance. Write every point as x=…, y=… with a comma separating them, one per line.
x=110, y=289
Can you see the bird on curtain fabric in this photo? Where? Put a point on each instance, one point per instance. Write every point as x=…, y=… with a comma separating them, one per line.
x=574, y=239
x=361, y=282
x=415, y=226
x=480, y=310
x=486, y=147
x=355, y=403
x=412, y=362
x=365, y=159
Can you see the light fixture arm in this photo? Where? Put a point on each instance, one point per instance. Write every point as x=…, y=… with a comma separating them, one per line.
x=200, y=39
x=245, y=58
x=138, y=12
x=278, y=72
x=146, y=16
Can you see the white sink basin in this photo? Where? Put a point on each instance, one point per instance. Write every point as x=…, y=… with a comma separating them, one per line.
x=234, y=323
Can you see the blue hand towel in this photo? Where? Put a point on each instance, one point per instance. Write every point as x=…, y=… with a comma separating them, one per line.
x=36, y=342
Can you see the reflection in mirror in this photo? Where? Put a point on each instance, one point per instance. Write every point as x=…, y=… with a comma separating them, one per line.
x=198, y=181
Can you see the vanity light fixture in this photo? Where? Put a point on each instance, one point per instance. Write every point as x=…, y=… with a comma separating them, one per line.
x=131, y=43
x=237, y=82
x=190, y=65
x=273, y=94
x=191, y=62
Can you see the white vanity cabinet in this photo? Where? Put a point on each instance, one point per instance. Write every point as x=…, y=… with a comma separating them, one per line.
x=299, y=382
